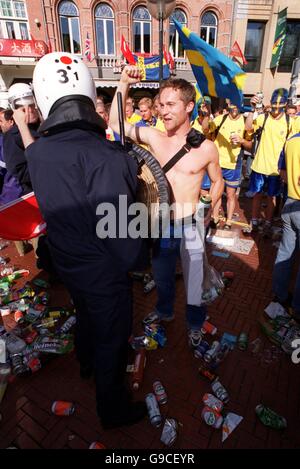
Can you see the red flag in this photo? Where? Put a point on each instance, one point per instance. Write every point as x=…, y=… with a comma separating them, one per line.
x=21, y=219
x=87, y=51
x=171, y=60
x=236, y=52
x=126, y=51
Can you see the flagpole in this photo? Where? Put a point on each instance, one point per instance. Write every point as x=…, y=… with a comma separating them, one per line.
x=161, y=10
x=161, y=40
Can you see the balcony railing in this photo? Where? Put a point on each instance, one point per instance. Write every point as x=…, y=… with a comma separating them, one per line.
x=182, y=64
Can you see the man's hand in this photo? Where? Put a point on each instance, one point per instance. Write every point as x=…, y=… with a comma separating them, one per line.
x=254, y=101
x=131, y=74
x=21, y=116
x=236, y=139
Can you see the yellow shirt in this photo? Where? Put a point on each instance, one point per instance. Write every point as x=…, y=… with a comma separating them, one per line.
x=196, y=125
x=160, y=125
x=292, y=162
x=228, y=153
x=133, y=119
x=272, y=141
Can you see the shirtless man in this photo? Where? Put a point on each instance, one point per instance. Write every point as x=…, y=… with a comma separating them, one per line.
x=177, y=100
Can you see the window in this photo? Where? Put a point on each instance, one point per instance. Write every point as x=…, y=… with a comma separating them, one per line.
x=175, y=45
x=141, y=30
x=254, y=45
x=11, y=12
x=291, y=47
x=69, y=27
x=105, y=29
x=209, y=28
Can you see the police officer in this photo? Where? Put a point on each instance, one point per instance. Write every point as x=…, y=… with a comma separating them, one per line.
x=20, y=97
x=73, y=169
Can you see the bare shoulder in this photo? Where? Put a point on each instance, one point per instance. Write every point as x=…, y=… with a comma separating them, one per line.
x=209, y=150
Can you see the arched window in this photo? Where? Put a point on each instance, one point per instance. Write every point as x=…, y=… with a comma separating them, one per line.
x=69, y=27
x=209, y=28
x=141, y=30
x=175, y=45
x=105, y=29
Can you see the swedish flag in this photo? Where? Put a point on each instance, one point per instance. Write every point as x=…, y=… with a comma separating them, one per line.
x=199, y=99
x=150, y=67
x=216, y=74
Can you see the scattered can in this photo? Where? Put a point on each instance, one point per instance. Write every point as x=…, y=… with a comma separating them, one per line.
x=153, y=410
x=96, y=445
x=63, y=408
x=214, y=403
x=5, y=311
x=219, y=390
x=243, y=341
x=207, y=373
x=212, y=417
x=169, y=433
x=212, y=352
x=18, y=315
x=17, y=364
x=201, y=349
x=160, y=393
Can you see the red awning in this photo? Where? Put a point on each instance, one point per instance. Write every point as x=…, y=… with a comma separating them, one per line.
x=19, y=48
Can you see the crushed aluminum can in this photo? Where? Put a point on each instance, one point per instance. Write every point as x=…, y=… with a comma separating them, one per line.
x=3, y=261
x=169, y=432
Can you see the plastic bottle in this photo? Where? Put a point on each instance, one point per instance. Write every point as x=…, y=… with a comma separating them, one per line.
x=139, y=365
x=204, y=204
x=13, y=343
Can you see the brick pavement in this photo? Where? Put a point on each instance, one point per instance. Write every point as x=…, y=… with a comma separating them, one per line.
x=28, y=423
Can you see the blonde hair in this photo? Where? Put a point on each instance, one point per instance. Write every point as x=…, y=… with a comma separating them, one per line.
x=146, y=102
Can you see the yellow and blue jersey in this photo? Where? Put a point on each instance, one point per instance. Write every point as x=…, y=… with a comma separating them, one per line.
x=290, y=160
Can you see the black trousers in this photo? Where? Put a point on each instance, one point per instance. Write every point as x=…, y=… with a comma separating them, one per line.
x=103, y=328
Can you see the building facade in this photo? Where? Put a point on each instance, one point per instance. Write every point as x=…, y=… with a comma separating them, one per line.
x=96, y=26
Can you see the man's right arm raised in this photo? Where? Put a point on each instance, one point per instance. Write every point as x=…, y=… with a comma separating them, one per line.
x=129, y=76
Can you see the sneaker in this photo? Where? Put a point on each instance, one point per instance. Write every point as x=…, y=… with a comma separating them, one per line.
x=154, y=317
x=195, y=337
x=269, y=418
x=249, y=194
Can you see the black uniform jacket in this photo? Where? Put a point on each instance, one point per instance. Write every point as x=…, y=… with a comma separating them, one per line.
x=14, y=156
x=72, y=172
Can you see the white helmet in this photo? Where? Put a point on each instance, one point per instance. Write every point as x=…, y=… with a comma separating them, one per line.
x=61, y=74
x=20, y=94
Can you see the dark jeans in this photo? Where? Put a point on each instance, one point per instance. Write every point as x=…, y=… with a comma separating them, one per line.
x=165, y=254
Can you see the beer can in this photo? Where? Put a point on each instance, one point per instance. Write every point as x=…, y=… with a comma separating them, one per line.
x=220, y=391
x=213, y=402
x=160, y=393
x=201, y=349
x=96, y=445
x=63, y=408
x=212, y=417
x=209, y=355
x=18, y=315
x=34, y=364
x=153, y=410
x=169, y=433
x=207, y=373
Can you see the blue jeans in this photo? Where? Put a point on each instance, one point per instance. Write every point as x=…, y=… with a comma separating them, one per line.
x=287, y=252
x=165, y=254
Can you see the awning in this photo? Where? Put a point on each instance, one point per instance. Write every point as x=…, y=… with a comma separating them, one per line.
x=146, y=84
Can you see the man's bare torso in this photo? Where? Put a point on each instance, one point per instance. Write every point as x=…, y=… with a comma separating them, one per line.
x=186, y=175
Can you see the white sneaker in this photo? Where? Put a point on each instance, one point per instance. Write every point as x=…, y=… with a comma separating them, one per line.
x=249, y=194
x=195, y=337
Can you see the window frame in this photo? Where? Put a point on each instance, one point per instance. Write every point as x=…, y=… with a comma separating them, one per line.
x=70, y=30
x=209, y=27
x=281, y=68
x=177, y=37
x=105, y=20
x=257, y=69
x=15, y=20
x=141, y=22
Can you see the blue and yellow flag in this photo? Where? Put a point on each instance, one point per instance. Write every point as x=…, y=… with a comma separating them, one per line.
x=150, y=67
x=199, y=99
x=216, y=74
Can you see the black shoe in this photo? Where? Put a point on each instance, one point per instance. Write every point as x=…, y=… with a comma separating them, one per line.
x=133, y=413
x=86, y=371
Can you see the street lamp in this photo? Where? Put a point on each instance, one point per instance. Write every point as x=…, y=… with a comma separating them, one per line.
x=160, y=10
